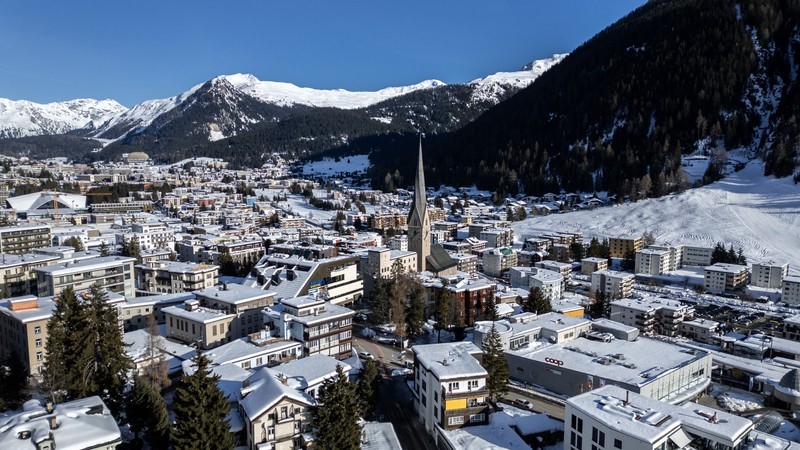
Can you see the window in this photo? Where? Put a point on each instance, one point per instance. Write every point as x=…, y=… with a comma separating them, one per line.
x=436, y=396
x=284, y=412
x=472, y=384
x=37, y=330
x=38, y=342
x=617, y=443
x=38, y=356
x=453, y=386
x=457, y=420
x=477, y=417
x=271, y=433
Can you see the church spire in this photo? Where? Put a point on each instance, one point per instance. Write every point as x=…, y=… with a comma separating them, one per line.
x=420, y=200
x=419, y=224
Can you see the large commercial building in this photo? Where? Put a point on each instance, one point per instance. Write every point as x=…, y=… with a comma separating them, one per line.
x=114, y=273
x=449, y=386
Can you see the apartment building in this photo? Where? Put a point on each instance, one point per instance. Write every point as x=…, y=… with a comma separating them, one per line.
x=399, y=243
x=613, y=284
x=23, y=328
x=792, y=328
x=385, y=220
x=17, y=276
x=769, y=275
x=382, y=261
x=150, y=236
x=652, y=315
x=790, y=292
x=722, y=278
x=653, y=262
x=276, y=416
x=675, y=255
x=700, y=330
x=218, y=315
x=449, y=386
x=565, y=269
x=24, y=238
x=172, y=277
x=472, y=296
x=612, y=417
x=113, y=273
x=134, y=311
x=497, y=237
x=620, y=246
x=322, y=327
x=496, y=261
x=465, y=262
x=696, y=256
x=549, y=282
x=240, y=251
x=592, y=265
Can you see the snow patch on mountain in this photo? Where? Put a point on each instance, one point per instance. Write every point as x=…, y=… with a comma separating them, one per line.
x=288, y=94
x=492, y=87
x=19, y=118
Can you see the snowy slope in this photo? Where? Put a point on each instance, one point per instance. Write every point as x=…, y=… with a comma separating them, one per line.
x=142, y=115
x=24, y=118
x=494, y=85
x=287, y=94
x=760, y=214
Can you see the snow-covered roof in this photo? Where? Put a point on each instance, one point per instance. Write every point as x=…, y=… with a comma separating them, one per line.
x=232, y=293
x=311, y=370
x=80, y=424
x=263, y=390
x=450, y=360
x=379, y=436
x=44, y=200
x=85, y=264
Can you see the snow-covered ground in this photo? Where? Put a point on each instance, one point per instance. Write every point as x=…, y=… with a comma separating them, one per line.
x=331, y=167
x=757, y=213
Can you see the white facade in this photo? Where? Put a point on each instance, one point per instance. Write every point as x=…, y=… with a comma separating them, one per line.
x=549, y=282
x=114, y=273
x=653, y=262
x=697, y=256
x=150, y=236
x=723, y=278
x=791, y=290
x=675, y=255
x=769, y=275
x=613, y=284
x=498, y=260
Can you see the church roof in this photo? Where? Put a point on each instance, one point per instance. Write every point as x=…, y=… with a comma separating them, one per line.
x=439, y=259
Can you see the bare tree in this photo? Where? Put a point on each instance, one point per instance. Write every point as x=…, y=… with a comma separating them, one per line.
x=155, y=372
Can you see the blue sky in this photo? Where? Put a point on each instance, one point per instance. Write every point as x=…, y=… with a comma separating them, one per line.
x=59, y=50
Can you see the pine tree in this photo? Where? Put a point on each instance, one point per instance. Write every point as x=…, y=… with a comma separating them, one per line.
x=102, y=366
x=336, y=419
x=136, y=407
x=629, y=262
x=398, y=298
x=490, y=309
x=201, y=411
x=14, y=382
x=74, y=242
x=415, y=314
x=381, y=310
x=158, y=428
x=495, y=364
x=61, y=347
x=104, y=250
x=442, y=311
x=537, y=302
x=368, y=387
x=131, y=248
x=600, y=305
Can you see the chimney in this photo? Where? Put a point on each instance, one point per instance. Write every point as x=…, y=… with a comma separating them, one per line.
x=49, y=407
x=713, y=418
x=53, y=421
x=627, y=398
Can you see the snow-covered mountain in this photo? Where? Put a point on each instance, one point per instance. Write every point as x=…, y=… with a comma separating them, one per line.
x=496, y=85
x=20, y=118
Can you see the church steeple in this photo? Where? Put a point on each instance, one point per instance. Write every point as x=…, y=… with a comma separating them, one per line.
x=419, y=224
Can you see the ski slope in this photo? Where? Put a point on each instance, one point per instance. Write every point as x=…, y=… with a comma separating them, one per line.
x=757, y=213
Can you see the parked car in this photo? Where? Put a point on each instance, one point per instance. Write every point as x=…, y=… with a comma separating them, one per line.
x=523, y=403
x=366, y=355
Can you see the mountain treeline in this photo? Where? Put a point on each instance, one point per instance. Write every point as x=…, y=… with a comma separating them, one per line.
x=670, y=78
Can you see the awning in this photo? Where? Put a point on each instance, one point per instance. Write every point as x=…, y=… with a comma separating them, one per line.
x=680, y=438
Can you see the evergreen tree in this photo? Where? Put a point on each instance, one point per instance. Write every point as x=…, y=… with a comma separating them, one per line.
x=60, y=364
x=158, y=428
x=130, y=247
x=336, y=419
x=104, y=250
x=102, y=366
x=490, y=309
x=442, y=311
x=227, y=266
x=136, y=407
x=718, y=254
x=14, y=382
x=381, y=310
x=495, y=364
x=600, y=305
x=201, y=411
x=415, y=314
x=368, y=387
x=576, y=251
x=537, y=302
x=629, y=262
x=74, y=242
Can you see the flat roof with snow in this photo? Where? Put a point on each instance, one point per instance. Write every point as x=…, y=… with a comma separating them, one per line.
x=450, y=360
x=233, y=293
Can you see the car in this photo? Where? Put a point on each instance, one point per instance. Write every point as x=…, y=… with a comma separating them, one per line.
x=523, y=403
x=366, y=355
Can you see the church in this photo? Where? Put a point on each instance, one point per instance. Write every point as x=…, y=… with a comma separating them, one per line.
x=430, y=257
